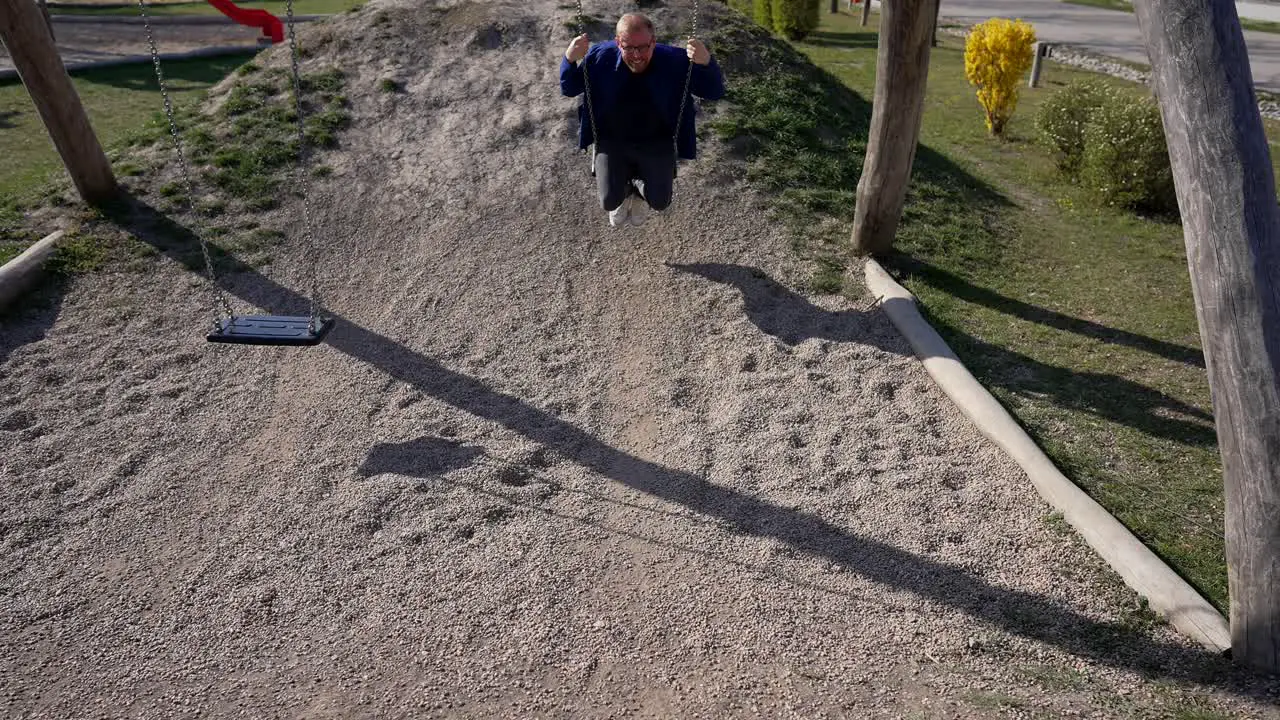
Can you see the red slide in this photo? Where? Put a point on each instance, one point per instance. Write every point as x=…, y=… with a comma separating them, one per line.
x=270, y=24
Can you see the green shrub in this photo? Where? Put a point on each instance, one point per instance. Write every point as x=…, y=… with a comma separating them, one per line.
x=794, y=19
x=1126, y=160
x=1063, y=117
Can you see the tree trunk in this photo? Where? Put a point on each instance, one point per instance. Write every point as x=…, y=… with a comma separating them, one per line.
x=866, y=11
x=30, y=45
x=1231, y=224
x=902, y=72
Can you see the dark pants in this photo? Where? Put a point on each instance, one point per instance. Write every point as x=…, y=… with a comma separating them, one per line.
x=649, y=168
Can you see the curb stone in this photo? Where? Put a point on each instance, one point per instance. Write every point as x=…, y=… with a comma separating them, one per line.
x=1166, y=592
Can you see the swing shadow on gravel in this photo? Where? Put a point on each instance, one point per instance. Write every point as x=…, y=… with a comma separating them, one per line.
x=1016, y=612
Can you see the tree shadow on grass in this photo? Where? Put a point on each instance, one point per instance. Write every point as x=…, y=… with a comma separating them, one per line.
x=911, y=267
x=1021, y=613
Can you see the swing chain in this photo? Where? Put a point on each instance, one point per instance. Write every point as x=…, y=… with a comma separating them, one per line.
x=307, y=235
x=586, y=84
x=684, y=97
x=182, y=164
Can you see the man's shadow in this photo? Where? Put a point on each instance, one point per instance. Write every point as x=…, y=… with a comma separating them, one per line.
x=783, y=313
x=1015, y=611
x=789, y=317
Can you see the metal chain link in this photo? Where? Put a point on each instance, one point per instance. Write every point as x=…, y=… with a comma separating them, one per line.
x=586, y=84
x=684, y=98
x=303, y=178
x=182, y=163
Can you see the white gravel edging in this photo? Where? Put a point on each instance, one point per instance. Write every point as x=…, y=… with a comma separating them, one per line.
x=1166, y=592
x=18, y=275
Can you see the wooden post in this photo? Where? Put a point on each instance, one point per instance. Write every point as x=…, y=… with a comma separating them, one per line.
x=1039, y=51
x=1231, y=227
x=30, y=45
x=902, y=71
x=866, y=12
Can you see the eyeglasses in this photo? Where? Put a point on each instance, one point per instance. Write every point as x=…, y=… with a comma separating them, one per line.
x=636, y=49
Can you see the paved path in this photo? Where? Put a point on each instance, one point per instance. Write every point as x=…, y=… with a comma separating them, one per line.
x=1113, y=32
x=80, y=41
x=1258, y=11
x=91, y=42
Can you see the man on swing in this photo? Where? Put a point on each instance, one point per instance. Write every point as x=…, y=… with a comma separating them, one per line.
x=636, y=94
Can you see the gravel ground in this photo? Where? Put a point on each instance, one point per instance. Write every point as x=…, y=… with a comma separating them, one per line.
x=542, y=468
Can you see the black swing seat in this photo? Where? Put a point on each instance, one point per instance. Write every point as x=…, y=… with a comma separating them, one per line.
x=270, y=330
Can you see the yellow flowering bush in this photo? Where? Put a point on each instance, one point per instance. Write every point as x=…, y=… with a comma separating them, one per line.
x=996, y=54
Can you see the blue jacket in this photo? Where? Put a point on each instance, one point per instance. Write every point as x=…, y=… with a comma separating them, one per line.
x=665, y=77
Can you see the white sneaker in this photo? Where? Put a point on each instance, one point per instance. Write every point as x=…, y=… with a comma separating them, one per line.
x=619, y=215
x=639, y=210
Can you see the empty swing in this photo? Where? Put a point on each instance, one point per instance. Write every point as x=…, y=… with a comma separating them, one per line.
x=229, y=327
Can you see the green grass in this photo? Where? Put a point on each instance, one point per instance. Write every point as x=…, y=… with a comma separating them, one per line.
x=241, y=156
x=253, y=139
x=275, y=7
x=123, y=103
x=1079, y=319
x=1126, y=6
x=993, y=701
